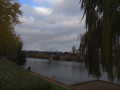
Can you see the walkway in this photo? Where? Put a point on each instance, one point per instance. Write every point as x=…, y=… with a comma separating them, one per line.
x=91, y=85
x=96, y=85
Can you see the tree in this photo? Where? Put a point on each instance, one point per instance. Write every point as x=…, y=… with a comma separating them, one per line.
x=10, y=11
x=73, y=49
x=103, y=33
x=9, y=18
x=21, y=56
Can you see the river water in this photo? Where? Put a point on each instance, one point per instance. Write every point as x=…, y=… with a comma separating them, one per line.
x=67, y=72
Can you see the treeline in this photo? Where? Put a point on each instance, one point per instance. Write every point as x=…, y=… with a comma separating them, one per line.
x=10, y=42
x=41, y=56
x=67, y=57
x=73, y=58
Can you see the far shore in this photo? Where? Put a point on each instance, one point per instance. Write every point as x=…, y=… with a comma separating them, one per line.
x=61, y=58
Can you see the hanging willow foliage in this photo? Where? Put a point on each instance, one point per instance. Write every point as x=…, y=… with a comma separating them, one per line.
x=101, y=42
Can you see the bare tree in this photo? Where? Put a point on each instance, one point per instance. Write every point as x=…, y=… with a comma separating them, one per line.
x=73, y=49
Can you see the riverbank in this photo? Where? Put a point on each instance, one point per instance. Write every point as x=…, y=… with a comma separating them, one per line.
x=67, y=87
x=89, y=85
x=12, y=77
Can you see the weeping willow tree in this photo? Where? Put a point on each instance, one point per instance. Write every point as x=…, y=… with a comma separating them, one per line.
x=101, y=42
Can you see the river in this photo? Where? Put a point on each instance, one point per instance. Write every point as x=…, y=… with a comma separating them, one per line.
x=67, y=72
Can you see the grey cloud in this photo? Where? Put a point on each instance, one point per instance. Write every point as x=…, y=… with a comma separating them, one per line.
x=57, y=30
x=69, y=7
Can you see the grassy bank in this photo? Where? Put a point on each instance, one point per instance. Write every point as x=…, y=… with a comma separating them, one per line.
x=12, y=77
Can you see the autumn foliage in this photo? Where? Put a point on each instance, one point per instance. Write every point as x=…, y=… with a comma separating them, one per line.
x=10, y=43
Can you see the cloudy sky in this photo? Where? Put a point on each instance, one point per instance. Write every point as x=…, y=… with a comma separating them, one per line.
x=50, y=25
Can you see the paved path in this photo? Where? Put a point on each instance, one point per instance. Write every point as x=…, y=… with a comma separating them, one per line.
x=96, y=85
x=91, y=85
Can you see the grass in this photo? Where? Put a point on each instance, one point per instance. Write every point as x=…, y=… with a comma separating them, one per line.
x=12, y=77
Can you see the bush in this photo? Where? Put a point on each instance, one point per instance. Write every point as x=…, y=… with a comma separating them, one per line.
x=56, y=57
x=21, y=58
